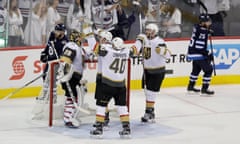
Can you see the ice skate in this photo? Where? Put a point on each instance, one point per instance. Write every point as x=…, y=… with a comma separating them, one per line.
x=191, y=89
x=42, y=99
x=149, y=116
x=206, y=92
x=126, y=132
x=98, y=131
x=71, y=125
x=105, y=123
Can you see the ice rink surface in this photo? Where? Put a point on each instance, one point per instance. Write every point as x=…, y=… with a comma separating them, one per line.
x=180, y=119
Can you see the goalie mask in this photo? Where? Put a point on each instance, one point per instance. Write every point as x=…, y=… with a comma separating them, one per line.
x=117, y=43
x=151, y=30
x=75, y=36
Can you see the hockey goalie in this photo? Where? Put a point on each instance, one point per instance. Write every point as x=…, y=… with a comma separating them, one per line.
x=70, y=73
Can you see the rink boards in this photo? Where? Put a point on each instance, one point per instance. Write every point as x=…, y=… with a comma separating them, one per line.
x=21, y=65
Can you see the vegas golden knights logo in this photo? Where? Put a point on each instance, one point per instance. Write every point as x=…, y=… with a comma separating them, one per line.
x=147, y=52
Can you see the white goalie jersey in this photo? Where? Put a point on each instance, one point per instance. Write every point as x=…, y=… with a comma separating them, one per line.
x=114, y=65
x=74, y=55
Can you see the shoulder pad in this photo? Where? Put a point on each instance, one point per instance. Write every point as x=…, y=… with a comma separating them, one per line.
x=141, y=37
x=162, y=45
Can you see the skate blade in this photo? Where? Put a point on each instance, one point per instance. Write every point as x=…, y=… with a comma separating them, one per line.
x=192, y=93
x=41, y=101
x=96, y=136
x=206, y=95
x=149, y=121
x=106, y=128
x=72, y=127
x=125, y=136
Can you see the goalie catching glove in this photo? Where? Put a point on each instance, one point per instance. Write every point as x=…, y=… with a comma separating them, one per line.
x=65, y=71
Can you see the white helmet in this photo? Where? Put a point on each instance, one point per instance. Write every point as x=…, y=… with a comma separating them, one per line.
x=117, y=43
x=153, y=27
x=107, y=35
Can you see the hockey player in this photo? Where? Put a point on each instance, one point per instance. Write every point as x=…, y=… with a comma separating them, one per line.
x=114, y=60
x=104, y=38
x=200, y=56
x=155, y=53
x=52, y=52
x=70, y=73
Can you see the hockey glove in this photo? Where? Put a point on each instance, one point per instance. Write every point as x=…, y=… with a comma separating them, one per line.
x=210, y=56
x=43, y=57
x=102, y=51
x=91, y=56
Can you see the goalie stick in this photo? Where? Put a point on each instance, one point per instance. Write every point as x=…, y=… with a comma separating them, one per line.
x=22, y=87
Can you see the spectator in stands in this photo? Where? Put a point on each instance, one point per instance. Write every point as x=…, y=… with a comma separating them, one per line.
x=104, y=17
x=3, y=16
x=15, y=21
x=124, y=22
x=173, y=20
x=35, y=31
x=78, y=13
x=217, y=11
x=53, y=17
x=153, y=11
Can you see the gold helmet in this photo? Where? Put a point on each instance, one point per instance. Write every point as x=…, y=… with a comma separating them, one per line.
x=76, y=37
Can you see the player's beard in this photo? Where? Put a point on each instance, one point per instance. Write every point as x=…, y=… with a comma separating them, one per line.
x=59, y=36
x=149, y=36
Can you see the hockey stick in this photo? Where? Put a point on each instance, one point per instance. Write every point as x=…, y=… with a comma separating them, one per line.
x=82, y=90
x=203, y=6
x=213, y=62
x=210, y=37
x=74, y=102
x=25, y=85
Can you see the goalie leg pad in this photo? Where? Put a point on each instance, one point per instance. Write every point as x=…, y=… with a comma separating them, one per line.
x=69, y=114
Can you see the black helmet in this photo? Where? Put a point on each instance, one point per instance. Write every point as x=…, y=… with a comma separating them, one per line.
x=60, y=27
x=204, y=17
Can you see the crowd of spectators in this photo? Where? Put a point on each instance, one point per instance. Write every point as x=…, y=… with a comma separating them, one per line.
x=32, y=26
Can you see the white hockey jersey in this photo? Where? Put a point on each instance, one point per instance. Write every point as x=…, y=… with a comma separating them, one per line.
x=154, y=52
x=76, y=59
x=114, y=66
